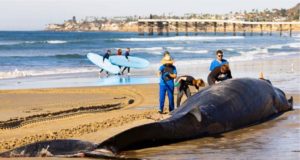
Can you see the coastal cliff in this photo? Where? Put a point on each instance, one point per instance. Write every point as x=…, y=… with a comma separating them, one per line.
x=130, y=24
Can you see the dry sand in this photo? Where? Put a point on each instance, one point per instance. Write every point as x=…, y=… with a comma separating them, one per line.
x=77, y=113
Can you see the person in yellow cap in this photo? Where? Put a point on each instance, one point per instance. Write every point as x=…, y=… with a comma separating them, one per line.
x=167, y=73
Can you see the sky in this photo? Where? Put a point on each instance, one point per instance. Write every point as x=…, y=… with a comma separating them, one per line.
x=36, y=14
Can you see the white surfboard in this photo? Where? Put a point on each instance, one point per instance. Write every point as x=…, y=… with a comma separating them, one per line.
x=132, y=62
x=106, y=65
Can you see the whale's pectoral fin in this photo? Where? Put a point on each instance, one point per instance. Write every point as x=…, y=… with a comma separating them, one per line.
x=45, y=152
x=291, y=102
x=196, y=112
x=100, y=153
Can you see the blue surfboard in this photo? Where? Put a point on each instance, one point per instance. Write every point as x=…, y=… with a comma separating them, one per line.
x=132, y=62
x=106, y=65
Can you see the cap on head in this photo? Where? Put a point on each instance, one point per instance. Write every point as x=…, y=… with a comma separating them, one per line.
x=166, y=53
x=167, y=59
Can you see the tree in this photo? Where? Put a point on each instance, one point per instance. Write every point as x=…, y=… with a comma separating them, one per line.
x=283, y=12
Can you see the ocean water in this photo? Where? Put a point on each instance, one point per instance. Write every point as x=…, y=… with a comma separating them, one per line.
x=27, y=55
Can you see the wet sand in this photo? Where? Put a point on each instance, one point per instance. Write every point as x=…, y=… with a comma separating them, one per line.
x=275, y=139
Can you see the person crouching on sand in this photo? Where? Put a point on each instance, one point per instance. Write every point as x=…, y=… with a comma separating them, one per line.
x=167, y=73
x=183, y=82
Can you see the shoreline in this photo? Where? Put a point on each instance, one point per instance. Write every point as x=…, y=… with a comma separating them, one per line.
x=289, y=67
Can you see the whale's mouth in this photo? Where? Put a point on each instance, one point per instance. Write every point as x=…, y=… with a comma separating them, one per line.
x=52, y=148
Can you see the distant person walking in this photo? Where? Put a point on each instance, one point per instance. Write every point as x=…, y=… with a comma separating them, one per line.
x=119, y=52
x=167, y=74
x=219, y=74
x=106, y=56
x=218, y=61
x=126, y=56
x=183, y=86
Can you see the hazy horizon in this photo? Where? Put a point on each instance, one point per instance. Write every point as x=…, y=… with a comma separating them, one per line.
x=36, y=14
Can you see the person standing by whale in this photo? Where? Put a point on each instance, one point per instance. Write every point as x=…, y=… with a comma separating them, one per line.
x=167, y=73
x=219, y=61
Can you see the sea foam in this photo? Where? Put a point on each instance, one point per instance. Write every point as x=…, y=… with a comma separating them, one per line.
x=56, y=42
x=16, y=73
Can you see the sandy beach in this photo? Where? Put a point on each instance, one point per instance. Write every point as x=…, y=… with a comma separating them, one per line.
x=96, y=113
x=87, y=113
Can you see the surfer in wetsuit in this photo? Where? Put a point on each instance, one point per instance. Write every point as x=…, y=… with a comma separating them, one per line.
x=126, y=56
x=106, y=56
x=183, y=82
x=119, y=53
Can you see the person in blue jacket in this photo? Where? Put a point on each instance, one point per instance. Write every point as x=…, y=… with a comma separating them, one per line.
x=219, y=61
x=167, y=73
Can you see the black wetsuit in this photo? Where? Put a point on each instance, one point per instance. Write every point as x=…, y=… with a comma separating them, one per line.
x=106, y=56
x=128, y=69
x=183, y=88
x=217, y=75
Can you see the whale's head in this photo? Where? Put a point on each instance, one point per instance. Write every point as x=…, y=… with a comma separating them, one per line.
x=281, y=103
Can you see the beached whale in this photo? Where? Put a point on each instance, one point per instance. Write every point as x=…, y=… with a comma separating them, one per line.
x=219, y=108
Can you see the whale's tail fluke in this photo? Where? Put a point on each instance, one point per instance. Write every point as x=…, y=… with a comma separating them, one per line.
x=154, y=134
